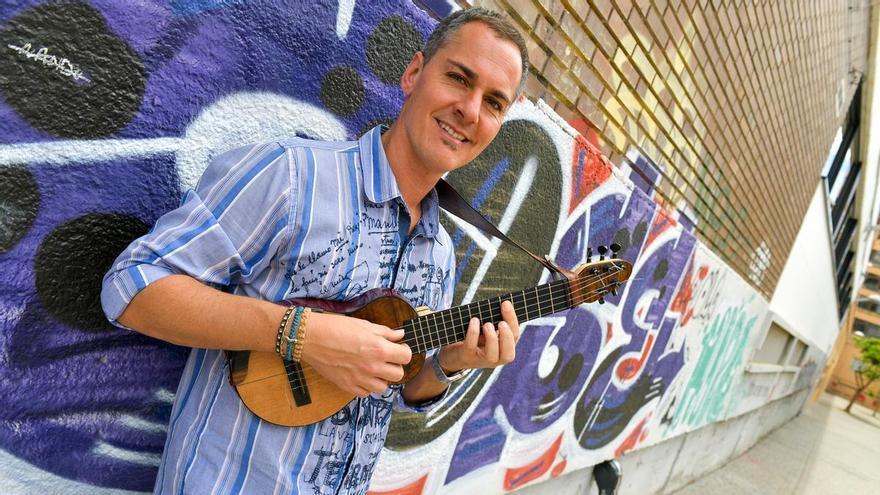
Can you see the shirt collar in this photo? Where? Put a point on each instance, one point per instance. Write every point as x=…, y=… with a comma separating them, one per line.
x=380, y=186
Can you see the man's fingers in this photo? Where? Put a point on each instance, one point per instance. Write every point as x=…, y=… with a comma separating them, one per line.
x=390, y=373
x=360, y=391
x=509, y=315
x=397, y=353
x=393, y=350
x=490, y=343
x=506, y=343
x=391, y=334
x=472, y=339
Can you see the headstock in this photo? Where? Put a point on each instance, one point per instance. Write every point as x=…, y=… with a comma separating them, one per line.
x=595, y=279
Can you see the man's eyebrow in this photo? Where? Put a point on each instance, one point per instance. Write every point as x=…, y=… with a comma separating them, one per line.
x=470, y=74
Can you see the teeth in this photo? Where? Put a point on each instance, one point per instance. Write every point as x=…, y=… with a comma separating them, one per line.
x=451, y=132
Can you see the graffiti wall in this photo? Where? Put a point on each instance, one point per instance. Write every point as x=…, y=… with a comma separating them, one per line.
x=110, y=110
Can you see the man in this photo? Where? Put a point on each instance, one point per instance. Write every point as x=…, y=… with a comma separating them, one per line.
x=301, y=218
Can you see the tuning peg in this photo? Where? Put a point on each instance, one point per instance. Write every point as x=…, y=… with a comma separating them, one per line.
x=615, y=248
x=602, y=250
x=589, y=254
x=601, y=300
x=614, y=291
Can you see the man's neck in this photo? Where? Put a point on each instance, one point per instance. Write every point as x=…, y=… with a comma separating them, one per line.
x=413, y=181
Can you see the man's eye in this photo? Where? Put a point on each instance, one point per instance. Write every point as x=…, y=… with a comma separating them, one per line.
x=496, y=105
x=457, y=77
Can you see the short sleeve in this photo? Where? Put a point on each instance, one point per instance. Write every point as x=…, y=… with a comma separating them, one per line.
x=225, y=232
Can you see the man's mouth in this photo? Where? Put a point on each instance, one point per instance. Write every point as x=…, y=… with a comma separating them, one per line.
x=451, y=132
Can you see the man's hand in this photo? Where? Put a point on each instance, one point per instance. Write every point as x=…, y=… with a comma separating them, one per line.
x=358, y=356
x=496, y=347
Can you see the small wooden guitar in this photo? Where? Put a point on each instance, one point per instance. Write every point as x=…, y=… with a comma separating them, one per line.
x=294, y=394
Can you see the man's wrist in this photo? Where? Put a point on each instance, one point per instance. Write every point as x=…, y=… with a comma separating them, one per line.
x=449, y=370
x=444, y=374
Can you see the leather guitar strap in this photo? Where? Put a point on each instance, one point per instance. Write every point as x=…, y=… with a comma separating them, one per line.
x=453, y=202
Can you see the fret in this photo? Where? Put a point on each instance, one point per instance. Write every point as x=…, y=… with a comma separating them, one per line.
x=443, y=338
x=551, y=300
x=419, y=332
x=463, y=323
x=537, y=305
x=522, y=308
x=435, y=331
x=492, y=305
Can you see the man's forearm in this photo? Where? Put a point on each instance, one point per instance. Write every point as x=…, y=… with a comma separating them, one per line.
x=183, y=311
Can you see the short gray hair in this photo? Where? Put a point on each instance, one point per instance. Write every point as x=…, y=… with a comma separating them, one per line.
x=502, y=27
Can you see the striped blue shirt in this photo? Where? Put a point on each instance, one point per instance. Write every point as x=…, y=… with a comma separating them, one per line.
x=274, y=221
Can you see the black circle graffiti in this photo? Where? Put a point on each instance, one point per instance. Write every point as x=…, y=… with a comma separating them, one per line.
x=390, y=48
x=72, y=261
x=67, y=74
x=518, y=142
x=19, y=203
x=342, y=91
x=386, y=121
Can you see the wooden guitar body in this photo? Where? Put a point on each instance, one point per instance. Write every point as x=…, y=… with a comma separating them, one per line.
x=264, y=384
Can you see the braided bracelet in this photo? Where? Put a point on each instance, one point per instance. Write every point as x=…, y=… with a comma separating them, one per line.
x=294, y=334
x=301, y=335
x=281, y=328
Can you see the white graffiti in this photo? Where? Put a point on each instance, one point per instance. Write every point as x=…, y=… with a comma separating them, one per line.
x=248, y=117
x=343, y=18
x=79, y=151
x=64, y=66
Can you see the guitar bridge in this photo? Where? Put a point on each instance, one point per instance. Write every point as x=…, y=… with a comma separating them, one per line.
x=298, y=385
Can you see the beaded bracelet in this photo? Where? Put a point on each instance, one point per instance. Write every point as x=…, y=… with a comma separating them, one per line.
x=281, y=328
x=301, y=335
x=294, y=334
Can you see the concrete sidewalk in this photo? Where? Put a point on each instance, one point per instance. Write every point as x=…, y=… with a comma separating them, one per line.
x=822, y=451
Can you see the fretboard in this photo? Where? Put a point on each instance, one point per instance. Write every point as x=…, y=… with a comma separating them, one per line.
x=449, y=326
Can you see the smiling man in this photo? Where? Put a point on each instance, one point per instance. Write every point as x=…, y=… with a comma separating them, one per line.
x=328, y=220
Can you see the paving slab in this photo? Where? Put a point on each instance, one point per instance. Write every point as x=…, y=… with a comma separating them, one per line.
x=822, y=451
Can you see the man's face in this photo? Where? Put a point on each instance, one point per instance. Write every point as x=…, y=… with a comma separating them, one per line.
x=456, y=102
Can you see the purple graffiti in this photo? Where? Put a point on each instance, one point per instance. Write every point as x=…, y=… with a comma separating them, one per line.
x=84, y=400
x=639, y=371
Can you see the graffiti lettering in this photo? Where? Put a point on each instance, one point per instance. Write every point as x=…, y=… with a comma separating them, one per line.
x=64, y=66
x=704, y=399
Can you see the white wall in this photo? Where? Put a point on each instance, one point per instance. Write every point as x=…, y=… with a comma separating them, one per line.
x=804, y=299
x=869, y=200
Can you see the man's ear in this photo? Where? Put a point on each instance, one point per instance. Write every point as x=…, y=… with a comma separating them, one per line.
x=412, y=73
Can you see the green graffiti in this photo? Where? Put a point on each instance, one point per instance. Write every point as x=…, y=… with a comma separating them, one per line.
x=705, y=398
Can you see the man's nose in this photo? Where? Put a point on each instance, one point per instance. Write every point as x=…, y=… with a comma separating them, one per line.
x=469, y=107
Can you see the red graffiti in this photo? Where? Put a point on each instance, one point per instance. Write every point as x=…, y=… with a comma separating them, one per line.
x=685, y=293
x=517, y=477
x=587, y=130
x=630, y=367
x=558, y=469
x=682, y=304
x=662, y=221
x=631, y=440
x=414, y=488
x=589, y=170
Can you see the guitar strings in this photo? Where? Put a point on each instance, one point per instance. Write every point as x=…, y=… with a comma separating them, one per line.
x=456, y=322
x=574, y=286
